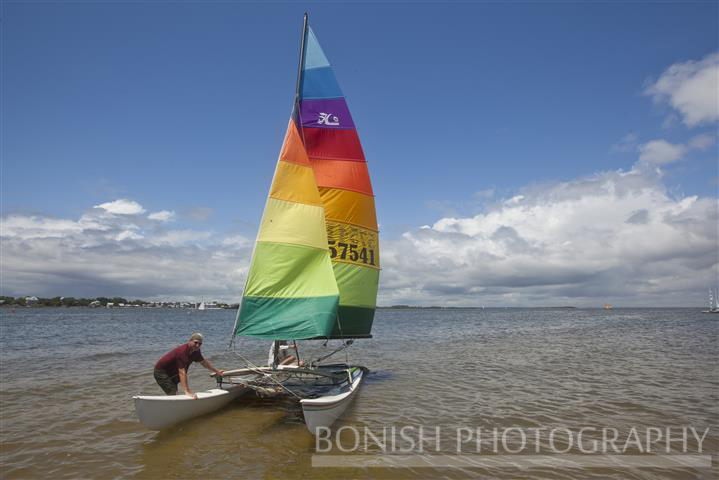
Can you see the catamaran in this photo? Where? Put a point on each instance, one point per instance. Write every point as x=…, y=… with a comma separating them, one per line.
x=315, y=267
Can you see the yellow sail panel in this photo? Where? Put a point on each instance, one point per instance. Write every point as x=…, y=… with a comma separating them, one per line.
x=293, y=223
x=349, y=207
x=353, y=244
x=295, y=183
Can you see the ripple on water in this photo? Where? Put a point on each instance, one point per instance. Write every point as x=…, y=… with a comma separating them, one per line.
x=67, y=411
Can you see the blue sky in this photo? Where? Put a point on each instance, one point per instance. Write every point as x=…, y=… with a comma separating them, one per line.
x=461, y=107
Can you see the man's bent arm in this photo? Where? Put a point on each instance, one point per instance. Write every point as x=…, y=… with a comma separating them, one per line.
x=208, y=365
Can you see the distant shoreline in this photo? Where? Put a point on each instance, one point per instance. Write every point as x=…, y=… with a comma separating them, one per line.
x=437, y=307
x=393, y=307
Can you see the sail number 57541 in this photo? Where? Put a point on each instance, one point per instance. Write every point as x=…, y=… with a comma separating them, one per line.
x=351, y=252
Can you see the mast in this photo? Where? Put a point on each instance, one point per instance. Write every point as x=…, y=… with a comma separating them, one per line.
x=302, y=59
x=298, y=84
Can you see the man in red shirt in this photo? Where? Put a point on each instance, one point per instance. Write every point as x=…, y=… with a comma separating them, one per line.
x=171, y=369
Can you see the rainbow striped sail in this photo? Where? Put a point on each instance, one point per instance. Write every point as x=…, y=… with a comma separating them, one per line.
x=315, y=269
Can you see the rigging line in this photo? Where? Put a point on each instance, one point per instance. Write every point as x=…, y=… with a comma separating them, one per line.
x=342, y=347
x=345, y=345
x=264, y=374
x=297, y=352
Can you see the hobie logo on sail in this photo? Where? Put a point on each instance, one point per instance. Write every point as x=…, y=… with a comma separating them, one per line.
x=328, y=119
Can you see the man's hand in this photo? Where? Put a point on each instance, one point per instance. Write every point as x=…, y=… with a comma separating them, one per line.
x=219, y=372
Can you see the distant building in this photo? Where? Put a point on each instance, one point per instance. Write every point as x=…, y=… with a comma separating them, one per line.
x=95, y=304
x=31, y=300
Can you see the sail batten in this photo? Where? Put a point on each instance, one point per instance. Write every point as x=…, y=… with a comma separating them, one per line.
x=315, y=268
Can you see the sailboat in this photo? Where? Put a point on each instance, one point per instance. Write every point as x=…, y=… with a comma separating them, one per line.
x=713, y=301
x=315, y=267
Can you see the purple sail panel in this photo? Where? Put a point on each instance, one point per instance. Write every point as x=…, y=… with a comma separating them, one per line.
x=326, y=113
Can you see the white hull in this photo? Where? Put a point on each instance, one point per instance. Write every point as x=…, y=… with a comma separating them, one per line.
x=322, y=412
x=161, y=411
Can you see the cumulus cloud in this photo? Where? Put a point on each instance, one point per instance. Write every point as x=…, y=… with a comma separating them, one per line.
x=660, y=152
x=107, y=253
x=122, y=206
x=692, y=88
x=162, y=216
x=615, y=236
x=639, y=217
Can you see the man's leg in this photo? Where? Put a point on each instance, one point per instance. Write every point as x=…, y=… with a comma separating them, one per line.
x=168, y=385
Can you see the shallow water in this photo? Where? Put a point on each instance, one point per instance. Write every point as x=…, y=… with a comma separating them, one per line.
x=68, y=375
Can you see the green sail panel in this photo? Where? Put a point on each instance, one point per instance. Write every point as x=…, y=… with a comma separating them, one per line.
x=356, y=322
x=296, y=271
x=357, y=285
x=289, y=295
x=280, y=318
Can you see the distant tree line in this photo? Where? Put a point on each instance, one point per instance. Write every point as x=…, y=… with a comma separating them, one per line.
x=67, y=301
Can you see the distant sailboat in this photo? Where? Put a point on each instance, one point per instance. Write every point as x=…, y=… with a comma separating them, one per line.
x=713, y=301
x=201, y=306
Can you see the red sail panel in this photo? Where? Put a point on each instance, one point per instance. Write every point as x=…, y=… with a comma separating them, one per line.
x=328, y=143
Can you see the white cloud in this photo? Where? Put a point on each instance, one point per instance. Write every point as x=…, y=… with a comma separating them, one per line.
x=122, y=206
x=102, y=253
x=615, y=237
x=176, y=238
x=702, y=142
x=236, y=241
x=37, y=227
x=162, y=216
x=660, y=152
x=692, y=88
x=128, y=235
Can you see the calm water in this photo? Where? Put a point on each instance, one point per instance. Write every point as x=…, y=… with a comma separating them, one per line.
x=68, y=376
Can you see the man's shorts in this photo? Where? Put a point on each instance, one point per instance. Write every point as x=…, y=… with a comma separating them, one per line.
x=166, y=382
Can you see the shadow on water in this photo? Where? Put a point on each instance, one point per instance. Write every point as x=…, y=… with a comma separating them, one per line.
x=239, y=435
x=378, y=376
